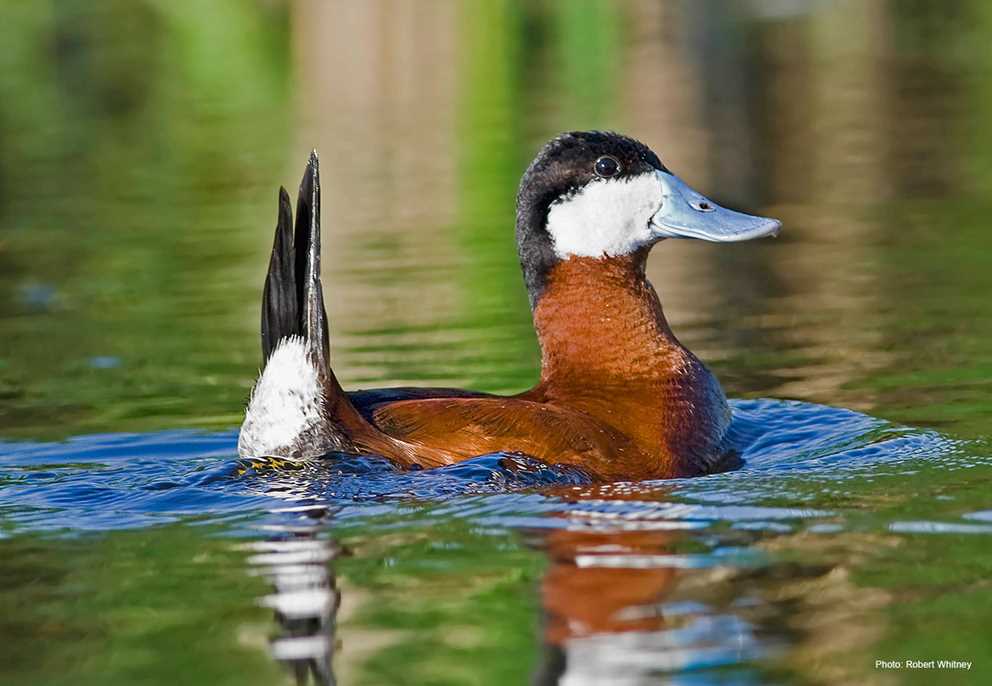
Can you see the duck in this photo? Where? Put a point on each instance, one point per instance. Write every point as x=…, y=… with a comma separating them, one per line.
x=619, y=397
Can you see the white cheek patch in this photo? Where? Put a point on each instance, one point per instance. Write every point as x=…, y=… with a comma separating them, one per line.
x=606, y=218
x=286, y=402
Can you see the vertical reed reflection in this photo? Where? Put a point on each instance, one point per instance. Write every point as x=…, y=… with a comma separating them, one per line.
x=818, y=113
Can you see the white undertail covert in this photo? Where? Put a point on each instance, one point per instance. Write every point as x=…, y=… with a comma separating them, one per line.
x=287, y=402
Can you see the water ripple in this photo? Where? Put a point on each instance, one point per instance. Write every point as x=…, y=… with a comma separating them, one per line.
x=681, y=569
x=134, y=480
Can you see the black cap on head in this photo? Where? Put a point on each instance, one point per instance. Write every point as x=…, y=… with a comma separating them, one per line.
x=563, y=167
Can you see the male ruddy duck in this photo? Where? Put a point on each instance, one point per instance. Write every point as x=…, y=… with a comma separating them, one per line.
x=619, y=396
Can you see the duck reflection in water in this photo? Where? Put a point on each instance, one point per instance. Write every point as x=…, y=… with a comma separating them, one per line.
x=299, y=563
x=610, y=605
x=585, y=599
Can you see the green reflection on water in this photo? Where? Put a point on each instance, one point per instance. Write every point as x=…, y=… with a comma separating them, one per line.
x=142, y=144
x=471, y=598
x=128, y=283
x=164, y=606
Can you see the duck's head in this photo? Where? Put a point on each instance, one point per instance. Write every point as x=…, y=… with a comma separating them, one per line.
x=600, y=195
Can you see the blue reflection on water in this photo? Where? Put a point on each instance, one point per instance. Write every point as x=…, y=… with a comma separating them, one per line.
x=120, y=481
x=115, y=481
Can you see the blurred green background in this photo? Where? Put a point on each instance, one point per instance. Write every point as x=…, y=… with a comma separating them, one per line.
x=142, y=143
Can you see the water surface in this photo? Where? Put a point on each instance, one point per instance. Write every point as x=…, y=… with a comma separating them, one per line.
x=143, y=144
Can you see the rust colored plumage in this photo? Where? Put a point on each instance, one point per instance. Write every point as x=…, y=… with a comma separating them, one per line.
x=593, y=598
x=619, y=396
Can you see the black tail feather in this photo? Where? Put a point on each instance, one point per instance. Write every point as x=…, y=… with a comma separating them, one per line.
x=280, y=311
x=292, y=299
x=313, y=317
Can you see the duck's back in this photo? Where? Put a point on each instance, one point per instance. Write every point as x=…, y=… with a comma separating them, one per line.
x=466, y=426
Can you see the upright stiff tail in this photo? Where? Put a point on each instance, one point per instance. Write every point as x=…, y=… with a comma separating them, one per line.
x=292, y=298
x=297, y=408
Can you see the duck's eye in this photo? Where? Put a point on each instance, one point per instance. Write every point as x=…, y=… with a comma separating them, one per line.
x=607, y=166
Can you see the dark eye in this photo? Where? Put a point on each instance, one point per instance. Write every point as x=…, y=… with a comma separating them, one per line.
x=607, y=166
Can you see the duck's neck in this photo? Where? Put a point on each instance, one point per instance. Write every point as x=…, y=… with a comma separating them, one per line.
x=599, y=322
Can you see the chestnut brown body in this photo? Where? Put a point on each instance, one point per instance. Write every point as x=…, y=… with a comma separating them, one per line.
x=619, y=396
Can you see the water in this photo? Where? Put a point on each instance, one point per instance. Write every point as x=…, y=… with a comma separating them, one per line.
x=143, y=146
x=743, y=577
